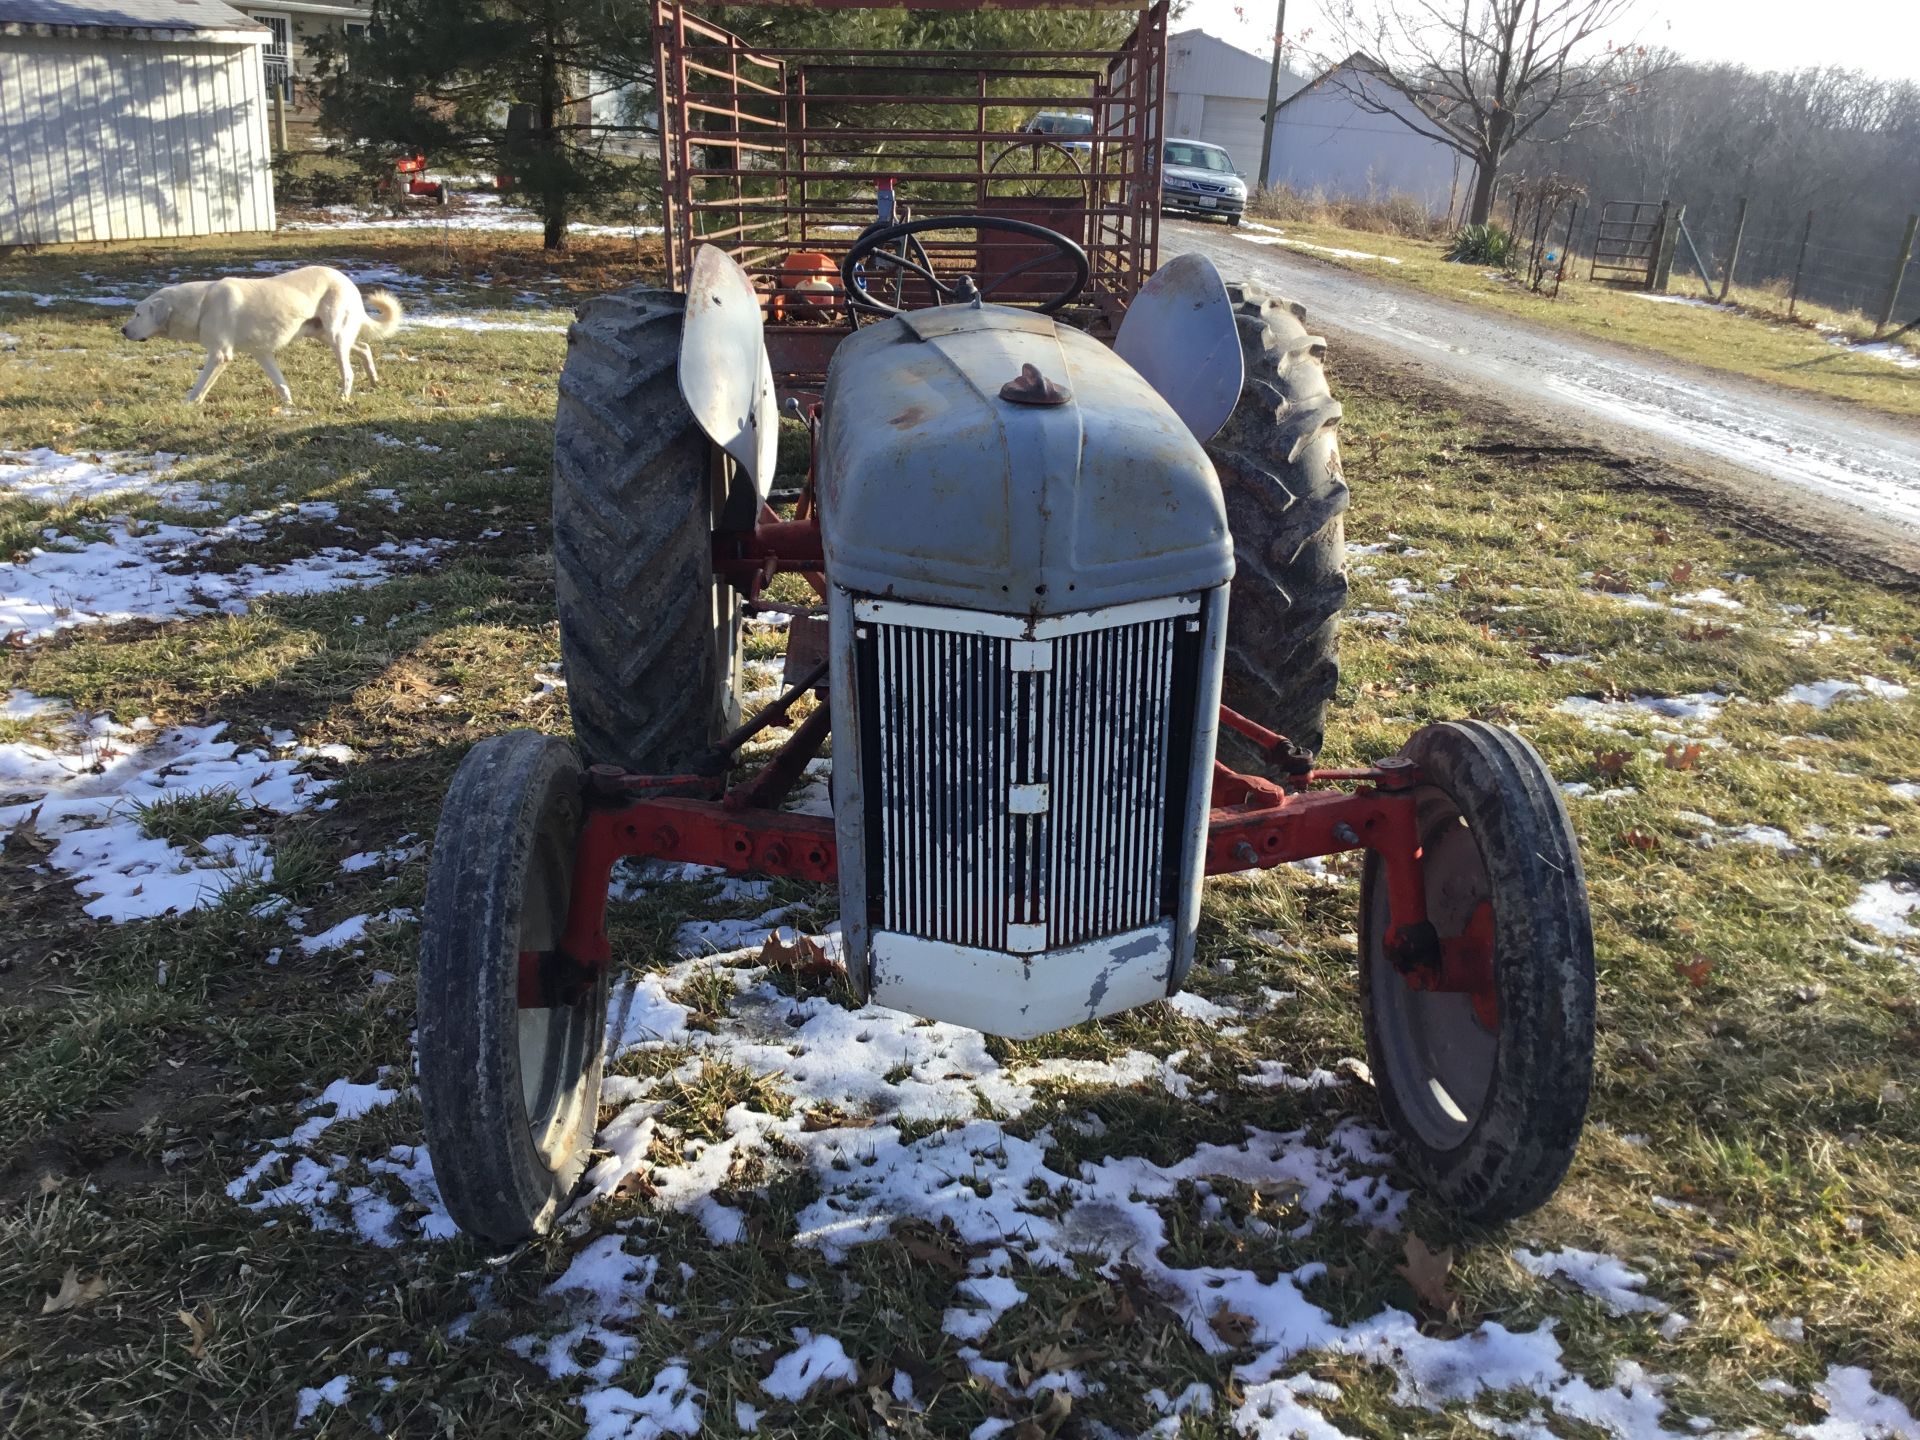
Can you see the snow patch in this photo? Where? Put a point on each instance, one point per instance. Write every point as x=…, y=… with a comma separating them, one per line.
x=1885, y=906
x=85, y=798
x=52, y=478
x=143, y=571
x=1824, y=694
x=1603, y=1276
x=817, y=1360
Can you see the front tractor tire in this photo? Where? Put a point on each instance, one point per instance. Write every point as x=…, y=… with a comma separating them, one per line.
x=649, y=636
x=1278, y=457
x=1486, y=1088
x=512, y=1039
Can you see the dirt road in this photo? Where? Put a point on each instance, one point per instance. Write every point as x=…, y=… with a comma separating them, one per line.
x=1843, y=477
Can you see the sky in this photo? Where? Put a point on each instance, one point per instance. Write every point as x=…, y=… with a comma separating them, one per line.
x=1881, y=37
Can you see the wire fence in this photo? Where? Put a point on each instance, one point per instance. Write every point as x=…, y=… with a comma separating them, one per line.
x=1842, y=269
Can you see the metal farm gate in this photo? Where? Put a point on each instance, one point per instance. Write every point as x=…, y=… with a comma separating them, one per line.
x=1627, y=244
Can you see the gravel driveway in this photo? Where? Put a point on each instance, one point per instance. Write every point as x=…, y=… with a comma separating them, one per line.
x=1843, y=475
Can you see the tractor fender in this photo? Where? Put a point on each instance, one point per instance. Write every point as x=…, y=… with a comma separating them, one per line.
x=725, y=376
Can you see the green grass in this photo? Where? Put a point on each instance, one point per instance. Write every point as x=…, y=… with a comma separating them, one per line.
x=1759, y=1051
x=1752, y=336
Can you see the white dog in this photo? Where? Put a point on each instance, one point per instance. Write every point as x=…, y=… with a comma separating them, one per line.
x=256, y=317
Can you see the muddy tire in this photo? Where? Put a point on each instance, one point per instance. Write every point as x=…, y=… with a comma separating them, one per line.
x=1279, y=461
x=651, y=642
x=509, y=1082
x=1486, y=1089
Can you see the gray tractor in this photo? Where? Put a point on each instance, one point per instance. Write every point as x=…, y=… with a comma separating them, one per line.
x=1071, y=522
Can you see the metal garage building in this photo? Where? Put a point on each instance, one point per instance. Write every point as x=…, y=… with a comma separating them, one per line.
x=1217, y=92
x=131, y=120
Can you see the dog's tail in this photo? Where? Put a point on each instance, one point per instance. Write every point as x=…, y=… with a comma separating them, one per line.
x=383, y=312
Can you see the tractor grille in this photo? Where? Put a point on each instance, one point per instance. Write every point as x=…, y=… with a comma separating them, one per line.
x=1018, y=785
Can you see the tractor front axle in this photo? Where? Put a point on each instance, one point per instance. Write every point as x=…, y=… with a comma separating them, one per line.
x=1254, y=824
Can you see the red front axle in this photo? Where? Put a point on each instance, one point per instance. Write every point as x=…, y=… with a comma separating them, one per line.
x=1254, y=824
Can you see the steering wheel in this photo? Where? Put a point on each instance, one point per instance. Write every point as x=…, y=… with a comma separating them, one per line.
x=1062, y=247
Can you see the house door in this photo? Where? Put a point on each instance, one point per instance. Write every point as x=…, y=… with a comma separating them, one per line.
x=278, y=55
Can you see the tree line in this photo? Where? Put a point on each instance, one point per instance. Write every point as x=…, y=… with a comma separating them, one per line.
x=1838, y=143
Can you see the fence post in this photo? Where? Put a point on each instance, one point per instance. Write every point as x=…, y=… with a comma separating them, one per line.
x=1671, y=220
x=1733, y=258
x=279, y=120
x=1793, y=295
x=1899, y=269
x=1706, y=280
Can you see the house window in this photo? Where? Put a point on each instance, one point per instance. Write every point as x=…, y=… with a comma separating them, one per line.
x=278, y=55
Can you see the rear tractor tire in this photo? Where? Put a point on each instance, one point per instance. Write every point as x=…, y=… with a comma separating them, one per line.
x=1278, y=457
x=651, y=639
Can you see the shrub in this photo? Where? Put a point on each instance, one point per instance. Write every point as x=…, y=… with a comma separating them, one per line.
x=1483, y=244
x=304, y=177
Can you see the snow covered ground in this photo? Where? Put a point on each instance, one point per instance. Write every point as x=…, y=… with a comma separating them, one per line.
x=141, y=570
x=1003, y=1196
x=84, y=796
x=468, y=213
x=880, y=1125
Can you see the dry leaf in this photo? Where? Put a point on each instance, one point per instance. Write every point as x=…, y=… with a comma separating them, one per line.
x=1662, y=535
x=1426, y=1271
x=1681, y=573
x=50, y=1183
x=1610, y=762
x=806, y=956
x=200, y=1323
x=1708, y=632
x=1697, y=971
x=1610, y=583
x=1640, y=840
x=930, y=1249
x=74, y=1292
x=828, y=1117
x=1682, y=757
x=1231, y=1326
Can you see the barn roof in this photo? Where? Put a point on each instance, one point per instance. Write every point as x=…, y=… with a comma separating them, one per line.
x=179, y=17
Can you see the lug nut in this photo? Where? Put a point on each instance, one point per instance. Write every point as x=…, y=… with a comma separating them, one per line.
x=1246, y=854
x=1344, y=833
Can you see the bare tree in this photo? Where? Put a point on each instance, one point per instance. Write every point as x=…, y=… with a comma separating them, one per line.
x=1481, y=75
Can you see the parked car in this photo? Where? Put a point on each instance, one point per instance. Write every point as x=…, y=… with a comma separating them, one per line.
x=1199, y=179
x=1071, y=128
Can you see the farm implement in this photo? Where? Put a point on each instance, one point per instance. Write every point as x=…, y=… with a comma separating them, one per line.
x=1072, y=525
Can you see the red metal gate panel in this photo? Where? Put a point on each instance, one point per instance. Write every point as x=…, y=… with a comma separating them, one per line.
x=776, y=155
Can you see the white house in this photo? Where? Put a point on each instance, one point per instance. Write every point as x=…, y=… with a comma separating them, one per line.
x=1217, y=92
x=1326, y=138
x=130, y=120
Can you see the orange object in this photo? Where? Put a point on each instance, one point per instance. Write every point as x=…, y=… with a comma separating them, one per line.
x=808, y=278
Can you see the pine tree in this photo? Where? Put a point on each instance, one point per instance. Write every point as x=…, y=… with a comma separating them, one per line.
x=503, y=86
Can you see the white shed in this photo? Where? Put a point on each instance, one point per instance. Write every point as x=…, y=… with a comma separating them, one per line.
x=1217, y=92
x=131, y=120
x=1326, y=137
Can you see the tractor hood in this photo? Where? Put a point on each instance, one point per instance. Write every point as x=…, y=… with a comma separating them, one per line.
x=936, y=489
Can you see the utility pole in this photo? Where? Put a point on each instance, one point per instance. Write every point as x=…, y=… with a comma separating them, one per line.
x=1273, y=99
